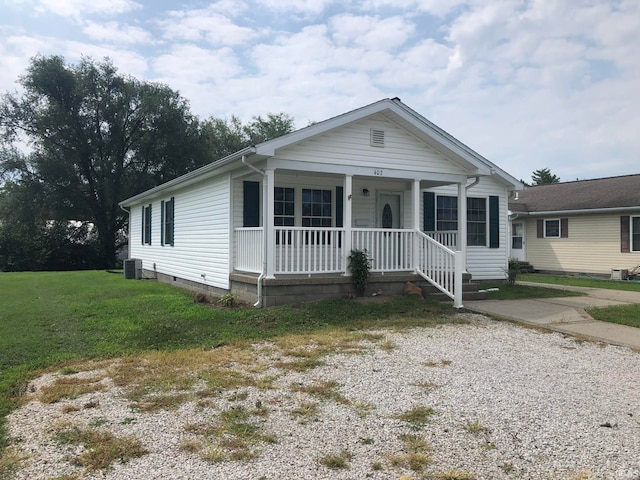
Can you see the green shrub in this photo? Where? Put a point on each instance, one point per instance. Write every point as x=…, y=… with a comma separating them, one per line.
x=512, y=272
x=360, y=266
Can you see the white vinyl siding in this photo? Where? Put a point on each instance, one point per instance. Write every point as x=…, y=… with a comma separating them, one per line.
x=201, y=235
x=351, y=145
x=593, y=246
x=484, y=263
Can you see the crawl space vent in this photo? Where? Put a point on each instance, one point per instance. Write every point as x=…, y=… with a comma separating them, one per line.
x=377, y=138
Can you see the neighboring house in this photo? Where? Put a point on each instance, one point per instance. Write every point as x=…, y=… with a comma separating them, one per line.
x=586, y=226
x=276, y=222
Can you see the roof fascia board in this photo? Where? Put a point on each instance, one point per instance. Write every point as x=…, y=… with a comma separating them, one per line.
x=395, y=173
x=202, y=173
x=583, y=211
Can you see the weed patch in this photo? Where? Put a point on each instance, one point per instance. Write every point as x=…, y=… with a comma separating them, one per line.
x=69, y=388
x=336, y=461
x=327, y=390
x=417, y=417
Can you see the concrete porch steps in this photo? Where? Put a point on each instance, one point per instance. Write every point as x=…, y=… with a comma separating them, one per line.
x=526, y=267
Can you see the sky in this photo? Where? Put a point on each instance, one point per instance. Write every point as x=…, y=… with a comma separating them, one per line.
x=528, y=84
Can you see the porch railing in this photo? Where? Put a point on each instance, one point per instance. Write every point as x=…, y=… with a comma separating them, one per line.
x=439, y=264
x=447, y=238
x=300, y=250
x=309, y=250
x=248, y=242
x=390, y=249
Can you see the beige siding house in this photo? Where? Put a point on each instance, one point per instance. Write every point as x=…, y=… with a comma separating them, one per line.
x=276, y=222
x=587, y=226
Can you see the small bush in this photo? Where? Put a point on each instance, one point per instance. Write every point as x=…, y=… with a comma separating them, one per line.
x=513, y=270
x=360, y=266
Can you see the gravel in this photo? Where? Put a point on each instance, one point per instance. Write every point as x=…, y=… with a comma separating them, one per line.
x=509, y=402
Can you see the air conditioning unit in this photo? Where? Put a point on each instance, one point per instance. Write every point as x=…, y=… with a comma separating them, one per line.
x=619, y=274
x=132, y=269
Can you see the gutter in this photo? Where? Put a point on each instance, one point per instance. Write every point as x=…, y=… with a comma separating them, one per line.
x=581, y=211
x=473, y=184
x=264, y=228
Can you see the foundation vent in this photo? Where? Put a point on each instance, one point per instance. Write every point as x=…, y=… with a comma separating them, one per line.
x=377, y=138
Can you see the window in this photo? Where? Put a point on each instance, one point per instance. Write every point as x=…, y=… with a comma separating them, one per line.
x=552, y=228
x=146, y=225
x=283, y=207
x=476, y=222
x=316, y=208
x=446, y=213
x=635, y=234
x=167, y=211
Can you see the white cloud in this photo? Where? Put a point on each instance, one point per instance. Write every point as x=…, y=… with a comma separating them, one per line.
x=191, y=64
x=79, y=8
x=370, y=32
x=304, y=7
x=205, y=25
x=115, y=33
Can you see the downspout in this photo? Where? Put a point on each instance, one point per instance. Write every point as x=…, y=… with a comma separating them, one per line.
x=264, y=229
x=473, y=184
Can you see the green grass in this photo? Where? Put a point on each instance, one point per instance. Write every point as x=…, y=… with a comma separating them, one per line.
x=47, y=318
x=581, y=281
x=517, y=292
x=621, y=314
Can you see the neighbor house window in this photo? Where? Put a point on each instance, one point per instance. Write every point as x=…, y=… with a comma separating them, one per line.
x=283, y=207
x=635, y=234
x=476, y=222
x=552, y=228
x=316, y=208
x=446, y=213
x=167, y=211
x=146, y=224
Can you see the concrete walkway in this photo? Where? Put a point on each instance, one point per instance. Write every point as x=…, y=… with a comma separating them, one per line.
x=567, y=314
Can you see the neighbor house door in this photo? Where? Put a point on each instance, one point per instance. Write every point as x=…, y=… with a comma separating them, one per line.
x=518, y=242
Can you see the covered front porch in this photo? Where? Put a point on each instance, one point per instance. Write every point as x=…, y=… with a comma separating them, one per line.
x=393, y=237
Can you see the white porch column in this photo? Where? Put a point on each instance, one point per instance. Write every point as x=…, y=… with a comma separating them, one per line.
x=347, y=222
x=269, y=231
x=415, y=202
x=462, y=222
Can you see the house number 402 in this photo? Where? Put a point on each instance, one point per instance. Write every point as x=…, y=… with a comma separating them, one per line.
x=378, y=173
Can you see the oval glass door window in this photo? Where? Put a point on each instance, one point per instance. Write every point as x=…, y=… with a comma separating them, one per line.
x=387, y=217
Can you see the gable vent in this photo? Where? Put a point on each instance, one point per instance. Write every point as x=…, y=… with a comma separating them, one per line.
x=377, y=138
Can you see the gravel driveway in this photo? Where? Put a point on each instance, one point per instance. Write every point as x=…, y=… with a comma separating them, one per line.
x=484, y=400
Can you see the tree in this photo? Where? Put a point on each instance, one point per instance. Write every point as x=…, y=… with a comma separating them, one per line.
x=544, y=176
x=96, y=137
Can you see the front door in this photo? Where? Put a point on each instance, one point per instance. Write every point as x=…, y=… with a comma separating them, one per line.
x=389, y=210
x=518, y=241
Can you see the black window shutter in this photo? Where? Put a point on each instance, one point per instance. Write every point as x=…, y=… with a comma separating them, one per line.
x=625, y=243
x=540, y=228
x=173, y=219
x=150, y=224
x=142, y=225
x=564, y=228
x=162, y=222
x=494, y=222
x=429, y=212
x=251, y=204
x=339, y=207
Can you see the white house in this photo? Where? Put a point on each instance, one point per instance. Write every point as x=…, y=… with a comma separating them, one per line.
x=276, y=222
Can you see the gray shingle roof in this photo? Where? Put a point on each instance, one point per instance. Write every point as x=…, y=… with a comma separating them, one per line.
x=612, y=192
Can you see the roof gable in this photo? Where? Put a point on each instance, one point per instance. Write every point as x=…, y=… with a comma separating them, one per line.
x=583, y=195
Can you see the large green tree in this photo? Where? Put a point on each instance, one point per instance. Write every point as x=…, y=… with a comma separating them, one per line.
x=543, y=176
x=95, y=137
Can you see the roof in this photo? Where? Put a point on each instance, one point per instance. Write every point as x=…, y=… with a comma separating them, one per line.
x=394, y=109
x=582, y=196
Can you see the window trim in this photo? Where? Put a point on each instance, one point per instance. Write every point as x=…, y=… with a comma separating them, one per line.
x=544, y=223
x=147, y=223
x=167, y=210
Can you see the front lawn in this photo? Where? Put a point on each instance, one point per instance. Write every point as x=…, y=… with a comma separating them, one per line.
x=622, y=314
x=47, y=318
x=582, y=281
x=505, y=291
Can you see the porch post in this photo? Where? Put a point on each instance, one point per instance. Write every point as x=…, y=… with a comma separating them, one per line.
x=347, y=216
x=462, y=222
x=269, y=232
x=415, y=201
